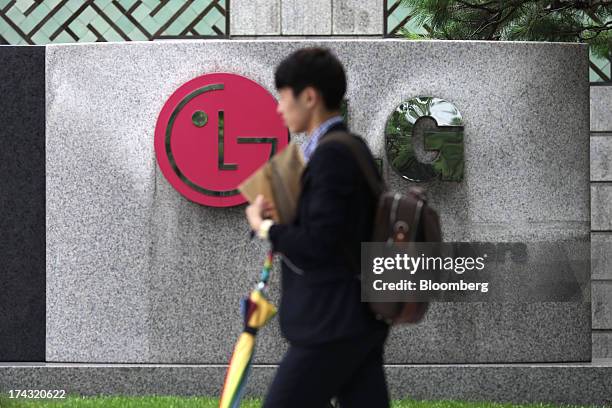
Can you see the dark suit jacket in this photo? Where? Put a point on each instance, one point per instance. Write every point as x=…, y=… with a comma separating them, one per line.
x=320, y=296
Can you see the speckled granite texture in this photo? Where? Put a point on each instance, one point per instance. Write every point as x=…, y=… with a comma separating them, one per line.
x=601, y=115
x=255, y=17
x=22, y=204
x=602, y=305
x=583, y=383
x=357, y=17
x=306, y=17
x=601, y=218
x=601, y=255
x=601, y=207
x=602, y=344
x=601, y=156
x=136, y=273
x=313, y=17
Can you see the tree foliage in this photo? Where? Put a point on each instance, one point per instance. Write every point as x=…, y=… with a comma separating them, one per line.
x=516, y=20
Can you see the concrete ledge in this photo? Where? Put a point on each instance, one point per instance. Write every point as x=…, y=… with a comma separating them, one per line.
x=571, y=383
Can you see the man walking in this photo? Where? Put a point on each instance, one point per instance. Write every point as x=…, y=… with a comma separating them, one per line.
x=335, y=342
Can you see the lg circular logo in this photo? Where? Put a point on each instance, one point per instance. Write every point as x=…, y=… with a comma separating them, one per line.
x=213, y=132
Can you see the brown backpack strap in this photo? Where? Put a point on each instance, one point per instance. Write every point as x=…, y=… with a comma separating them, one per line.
x=374, y=180
x=377, y=185
x=417, y=220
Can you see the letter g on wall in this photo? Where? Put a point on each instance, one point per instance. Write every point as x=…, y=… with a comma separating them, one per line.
x=445, y=138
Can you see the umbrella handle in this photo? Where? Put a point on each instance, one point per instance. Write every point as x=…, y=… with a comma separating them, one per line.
x=265, y=271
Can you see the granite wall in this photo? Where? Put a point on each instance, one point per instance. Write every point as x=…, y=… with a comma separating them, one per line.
x=136, y=273
x=601, y=218
x=306, y=18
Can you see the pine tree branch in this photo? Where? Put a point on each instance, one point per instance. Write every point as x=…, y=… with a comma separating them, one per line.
x=525, y=20
x=600, y=3
x=578, y=33
x=605, y=27
x=478, y=6
x=496, y=23
x=557, y=9
x=488, y=23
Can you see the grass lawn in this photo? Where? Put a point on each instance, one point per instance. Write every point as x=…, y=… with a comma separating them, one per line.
x=204, y=402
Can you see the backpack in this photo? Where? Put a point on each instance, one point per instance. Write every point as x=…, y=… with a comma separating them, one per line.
x=398, y=218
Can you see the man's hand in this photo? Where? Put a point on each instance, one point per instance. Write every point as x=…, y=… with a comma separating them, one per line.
x=257, y=211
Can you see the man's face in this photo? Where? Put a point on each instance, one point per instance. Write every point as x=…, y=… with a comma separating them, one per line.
x=296, y=112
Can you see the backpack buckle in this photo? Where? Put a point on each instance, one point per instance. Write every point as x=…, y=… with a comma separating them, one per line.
x=400, y=228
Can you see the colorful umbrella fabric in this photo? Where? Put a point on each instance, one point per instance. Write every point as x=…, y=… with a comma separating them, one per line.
x=257, y=311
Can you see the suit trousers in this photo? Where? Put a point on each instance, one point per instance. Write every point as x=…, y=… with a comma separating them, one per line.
x=350, y=370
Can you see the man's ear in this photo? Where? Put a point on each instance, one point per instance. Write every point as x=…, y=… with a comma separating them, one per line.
x=310, y=96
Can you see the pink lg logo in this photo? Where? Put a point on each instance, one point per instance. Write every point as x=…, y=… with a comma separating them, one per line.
x=213, y=132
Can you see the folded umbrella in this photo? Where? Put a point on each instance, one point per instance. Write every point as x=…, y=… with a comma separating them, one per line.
x=257, y=311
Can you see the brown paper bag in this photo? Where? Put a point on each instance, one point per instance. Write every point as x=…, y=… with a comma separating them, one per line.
x=279, y=180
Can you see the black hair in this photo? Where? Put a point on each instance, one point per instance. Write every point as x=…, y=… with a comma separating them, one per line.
x=316, y=67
